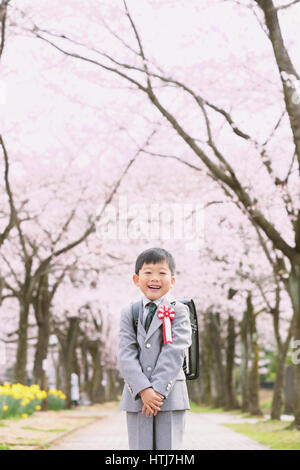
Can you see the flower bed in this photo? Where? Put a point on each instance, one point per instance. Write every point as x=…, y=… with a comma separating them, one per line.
x=56, y=399
x=21, y=400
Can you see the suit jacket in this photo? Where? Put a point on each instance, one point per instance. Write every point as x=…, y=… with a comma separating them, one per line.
x=145, y=361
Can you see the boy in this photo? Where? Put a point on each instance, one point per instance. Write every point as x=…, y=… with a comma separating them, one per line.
x=155, y=393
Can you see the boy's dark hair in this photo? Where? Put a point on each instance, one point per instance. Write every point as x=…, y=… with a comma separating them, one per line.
x=153, y=255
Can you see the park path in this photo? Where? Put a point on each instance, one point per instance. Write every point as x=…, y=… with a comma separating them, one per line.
x=204, y=431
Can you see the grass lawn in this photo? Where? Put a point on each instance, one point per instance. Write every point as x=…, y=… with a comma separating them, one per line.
x=275, y=434
x=36, y=430
x=272, y=433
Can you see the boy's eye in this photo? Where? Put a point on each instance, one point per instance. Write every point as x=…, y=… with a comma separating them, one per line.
x=148, y=272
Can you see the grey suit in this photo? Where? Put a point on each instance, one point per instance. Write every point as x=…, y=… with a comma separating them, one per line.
x=144, y=361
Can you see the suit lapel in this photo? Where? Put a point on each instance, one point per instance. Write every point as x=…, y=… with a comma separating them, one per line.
x=157, y=322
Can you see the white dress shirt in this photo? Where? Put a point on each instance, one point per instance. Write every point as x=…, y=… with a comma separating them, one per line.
x=158, y=302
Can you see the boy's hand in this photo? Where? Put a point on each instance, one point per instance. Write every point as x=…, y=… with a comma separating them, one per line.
x=152, y=401
x=148, y=411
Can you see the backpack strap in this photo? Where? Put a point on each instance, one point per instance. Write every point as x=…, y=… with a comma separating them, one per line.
x=135, y=309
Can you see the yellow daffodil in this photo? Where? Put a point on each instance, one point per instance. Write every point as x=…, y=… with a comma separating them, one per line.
x=25, y=395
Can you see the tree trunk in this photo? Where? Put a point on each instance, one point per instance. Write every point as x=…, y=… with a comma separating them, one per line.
x=205, y=367
x=41, y=305
x=294, y=290
x=68, y=355
x=85, y=364
x=40, y=353
x=96, y=389
x=244, y=361
x=232, y=402
x=20, y=373
x=282, y=349
x=277, y=399
x=216, y=347
x=58, y=371
x=25, y=297
x=254, y=407
x=57, y=366
x=112, y=389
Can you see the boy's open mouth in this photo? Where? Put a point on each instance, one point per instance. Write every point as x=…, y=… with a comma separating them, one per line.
x=154, y=287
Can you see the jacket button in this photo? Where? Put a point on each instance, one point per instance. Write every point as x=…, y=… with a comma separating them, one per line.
x=148, y=369
x=148, y=345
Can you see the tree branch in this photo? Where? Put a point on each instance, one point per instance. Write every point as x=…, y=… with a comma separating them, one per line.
x=282, y=7
x=286, y=69
x=229, y=180
x=92, y=227
x=3, y=18
x=12, y=217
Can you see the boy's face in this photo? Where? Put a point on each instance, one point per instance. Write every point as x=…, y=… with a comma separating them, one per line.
x=157, y=275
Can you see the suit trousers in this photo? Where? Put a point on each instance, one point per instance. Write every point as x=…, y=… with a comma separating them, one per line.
x=161, y=432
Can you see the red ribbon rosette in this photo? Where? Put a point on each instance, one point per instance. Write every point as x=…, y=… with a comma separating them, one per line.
x=166, y=313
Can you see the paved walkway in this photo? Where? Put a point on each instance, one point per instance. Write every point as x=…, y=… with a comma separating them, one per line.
x=204, y=431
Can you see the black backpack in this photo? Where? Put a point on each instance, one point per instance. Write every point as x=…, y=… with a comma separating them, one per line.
x=191, y=356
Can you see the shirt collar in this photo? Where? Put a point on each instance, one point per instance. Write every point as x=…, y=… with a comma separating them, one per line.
x=165, y=298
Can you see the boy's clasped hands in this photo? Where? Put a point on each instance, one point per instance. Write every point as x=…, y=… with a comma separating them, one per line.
x=152, y=401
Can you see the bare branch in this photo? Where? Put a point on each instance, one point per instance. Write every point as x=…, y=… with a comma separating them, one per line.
x=139, y=44
x=286, y=69
x=92, y=61
x=222, y=176
x=288, y=5
x=12, y=217
x=11, y=270
x=3, y=18
x=155, y=154
x=92, y=227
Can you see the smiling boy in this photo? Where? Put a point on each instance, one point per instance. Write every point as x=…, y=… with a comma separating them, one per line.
x=155, y=394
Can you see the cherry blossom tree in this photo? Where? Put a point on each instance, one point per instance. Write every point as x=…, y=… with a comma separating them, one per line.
x=255, y=170
x=139, y=71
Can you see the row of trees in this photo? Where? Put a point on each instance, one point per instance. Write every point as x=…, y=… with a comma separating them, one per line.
x=254, y=172
x=230, y=364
